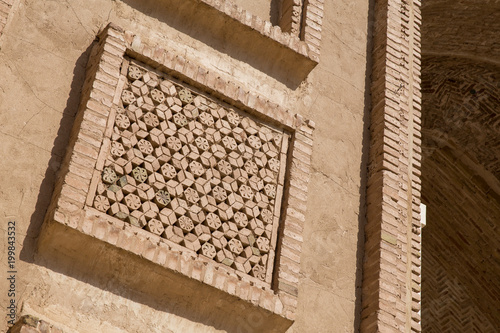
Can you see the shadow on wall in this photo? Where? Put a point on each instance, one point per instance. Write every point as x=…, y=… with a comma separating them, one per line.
x=223, y=34
x=91, y=261
x=57, y=155
x=364, y=168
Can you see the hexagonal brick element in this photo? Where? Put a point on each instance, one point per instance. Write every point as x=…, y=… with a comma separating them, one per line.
x=191, y=195
x=134, y=72
x=140, y=174
x=101, y=203
x=133, y=201
x=235, y=246
x=196, y=168
x=246, y=192
x=213, y=221
x=155, y=226
x=259, y=272
x=241, y=219
x=185, y=96
x=162, y=198
x=263, y=244
x=224, y=167
x=208, y=250
x=219, y=193
x=109, y=175
x=186, y=223
x=168, y=171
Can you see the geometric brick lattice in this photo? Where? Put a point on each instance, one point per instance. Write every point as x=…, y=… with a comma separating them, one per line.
x=184, y=170
x=198, y=173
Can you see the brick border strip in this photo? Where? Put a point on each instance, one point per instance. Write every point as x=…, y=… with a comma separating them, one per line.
x=102, y=89
x=299, y=28
x=391, y=273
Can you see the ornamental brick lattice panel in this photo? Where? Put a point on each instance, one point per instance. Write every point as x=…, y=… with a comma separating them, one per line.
x=203, y=175
x=188, y=172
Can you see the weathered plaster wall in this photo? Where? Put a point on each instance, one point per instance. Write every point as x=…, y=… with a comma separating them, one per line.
x=43, y=55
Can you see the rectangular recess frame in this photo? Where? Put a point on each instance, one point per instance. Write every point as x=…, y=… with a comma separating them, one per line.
x=69, y=209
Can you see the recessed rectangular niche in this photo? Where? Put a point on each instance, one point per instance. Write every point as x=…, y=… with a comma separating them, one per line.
x=203, y=175
x=189, y=175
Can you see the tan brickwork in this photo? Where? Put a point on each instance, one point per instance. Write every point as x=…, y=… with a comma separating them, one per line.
x=391, y=275
x=128, y=185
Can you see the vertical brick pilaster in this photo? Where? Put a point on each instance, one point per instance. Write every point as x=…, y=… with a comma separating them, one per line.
x=392, y=260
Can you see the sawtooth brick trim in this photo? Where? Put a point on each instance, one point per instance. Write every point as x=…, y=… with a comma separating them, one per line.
x=71, y=203
x=391, y=274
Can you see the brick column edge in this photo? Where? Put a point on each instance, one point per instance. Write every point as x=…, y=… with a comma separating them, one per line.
x=391, y=267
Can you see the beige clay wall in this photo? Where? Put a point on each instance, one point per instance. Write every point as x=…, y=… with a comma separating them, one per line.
x=44, y=50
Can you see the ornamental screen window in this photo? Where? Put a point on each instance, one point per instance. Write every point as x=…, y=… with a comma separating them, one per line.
x=201, y=174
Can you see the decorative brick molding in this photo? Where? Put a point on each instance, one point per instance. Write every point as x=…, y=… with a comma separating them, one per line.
x=169, y=162
x=31, y=324
x=391, y=274
x=299, y=28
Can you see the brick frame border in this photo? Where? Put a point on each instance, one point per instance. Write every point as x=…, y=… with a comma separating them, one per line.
x=299, y=27
x=100, y=95
x=391, y=268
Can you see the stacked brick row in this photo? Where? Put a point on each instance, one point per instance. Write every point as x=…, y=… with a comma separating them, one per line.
x=391, y=285
x=74, y=194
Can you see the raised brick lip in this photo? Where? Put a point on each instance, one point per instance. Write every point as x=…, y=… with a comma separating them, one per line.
x=301, y=19
x=391, y=272
x=102, y=89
